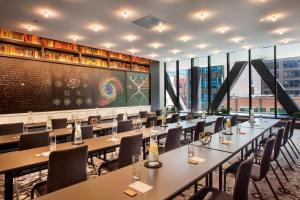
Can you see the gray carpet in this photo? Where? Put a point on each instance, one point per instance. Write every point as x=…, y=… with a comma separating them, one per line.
x=25, y=183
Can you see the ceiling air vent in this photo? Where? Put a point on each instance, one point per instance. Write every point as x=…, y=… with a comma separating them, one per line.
x=148, y=22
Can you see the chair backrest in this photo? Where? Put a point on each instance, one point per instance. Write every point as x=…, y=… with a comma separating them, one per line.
x=277, y=145
x=152, y=119
x=33, y=140
x=173, y=139
x=219, y=124
x=14, y=128
x=286, y=132
x=86, y=132
x=66, y=167
x=59, y=123
x=240, y=191
x=208, y=196
x=292, y=127
x=199, y=129
x=124, y=126
x=90, y=119
x=129, y=146
x=266, y=158
x=120, y=117
x=175, y=118
x=143, y=114
x=234, y=120
x=158, y=113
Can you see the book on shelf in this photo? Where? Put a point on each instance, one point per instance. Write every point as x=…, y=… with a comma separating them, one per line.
x=62, y=57
x=119, y=56
x=94, y=61
x=60, y=45
x=140, y=60
x=12, y=35
x=93, y=51
x=120, y=65
x=15, y=50
x=139, y=68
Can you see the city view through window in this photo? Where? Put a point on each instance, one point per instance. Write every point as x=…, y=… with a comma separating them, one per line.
x=263, y=99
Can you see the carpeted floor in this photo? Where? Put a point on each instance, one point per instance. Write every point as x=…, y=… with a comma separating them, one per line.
x=25, y=183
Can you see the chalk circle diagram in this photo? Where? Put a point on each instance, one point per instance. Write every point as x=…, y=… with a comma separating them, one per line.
x=109, y=87
x=72, y=80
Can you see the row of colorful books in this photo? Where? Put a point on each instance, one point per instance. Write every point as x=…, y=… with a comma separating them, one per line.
x=19, y=51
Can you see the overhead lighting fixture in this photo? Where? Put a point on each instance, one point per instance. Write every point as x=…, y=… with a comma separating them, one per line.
x=280, y=31
x=216, y=51
x=223, y=29
x=133, y=50
x=286, y=41
x=202, y=46
x=46, y=14
x=191, y=56
x=161, y=27
x=29, y=28
x=108, y=45
x=175, y=51
x=202, y=15
x=155, y=45
x=130, y=37
x=74, y=37
x=236, y=39
x=272, y=17
x=168, y=59
x=153, y=55
x=95, y=27
x=185, y=38
x=247, y=47
x=125, y=14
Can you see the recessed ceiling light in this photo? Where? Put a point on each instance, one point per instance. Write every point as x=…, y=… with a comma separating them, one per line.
x=185, y=38
x=46, y=14
x=133, y=50
x=272, y=18
x=75, y=37
x=161, y=27
x=130, y=37
x=280, y=31
x=155, y=45
x=286, y=40
x=190, y=56
x=202, y=15
x=223, y=29
x=216, y=51
x=153, y=55
x=108, y=45
x=202, y=46
x=236, y=39
x=168, y=59
x=29, y=28
x=247, y=47
x=175, y=51
x=125, y=14
x=95, y=27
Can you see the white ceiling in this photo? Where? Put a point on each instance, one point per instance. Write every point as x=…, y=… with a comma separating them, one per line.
x=73, y=17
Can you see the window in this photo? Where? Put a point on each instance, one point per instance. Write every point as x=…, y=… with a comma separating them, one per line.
x=201, y=84
x=171, y=73
x=185, y=84
x=239, y=93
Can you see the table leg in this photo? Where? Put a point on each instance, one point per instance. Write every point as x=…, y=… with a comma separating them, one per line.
x=242, y=154
x=221, y=177
x=206, y=181
x=144, y=150
x=210, y=179
x=8, y=186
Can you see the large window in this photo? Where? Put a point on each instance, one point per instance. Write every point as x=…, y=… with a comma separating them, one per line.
x=218, y=75
x=185, y=84
x=263, y=101
x=201, y=84
x=171, y=76
x=288, y=69
x=239, y=93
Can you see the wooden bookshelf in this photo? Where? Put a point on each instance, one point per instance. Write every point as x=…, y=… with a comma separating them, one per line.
x=14, y=44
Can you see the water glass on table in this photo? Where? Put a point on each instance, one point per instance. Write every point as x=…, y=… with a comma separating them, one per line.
x=238, y=127
x=136, y=166
x=52, y=138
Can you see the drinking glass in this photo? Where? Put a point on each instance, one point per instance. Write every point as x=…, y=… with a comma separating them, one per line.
x=238, y=127
x=190, y=150
x=136, y=166
x=221, y=135
x=52, y=137
x=152, y=125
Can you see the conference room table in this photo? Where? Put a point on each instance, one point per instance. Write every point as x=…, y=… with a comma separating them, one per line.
x=16, y=163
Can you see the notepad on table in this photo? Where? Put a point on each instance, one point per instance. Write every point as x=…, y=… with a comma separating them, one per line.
x=45, y=154
x=227, y=142
x=140, y=186
x=197, y=159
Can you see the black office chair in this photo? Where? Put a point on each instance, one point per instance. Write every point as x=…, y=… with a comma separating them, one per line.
x=120, y=117
x=129, y=146
x=240, y=190
x=33, y=140
x=124, y=126
x=172, y=140
x=65, y=168
x=219, y=124
x=158, y=113
x=290, y=141
x=143, y=114
x=151, y=120
x=234, y=120
x=13, y=128
x=175, y=118
x=59, y=123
